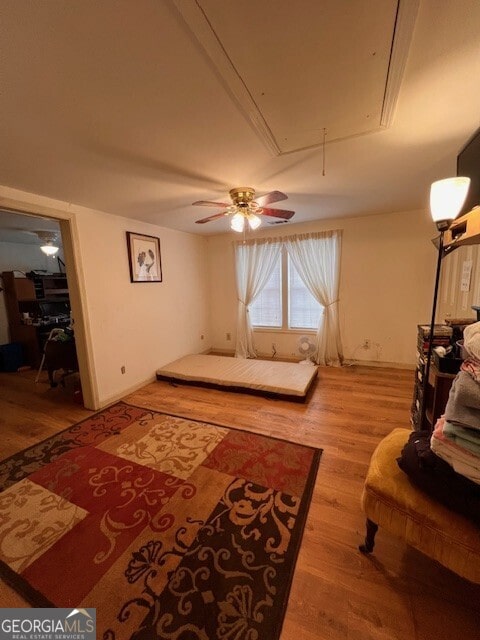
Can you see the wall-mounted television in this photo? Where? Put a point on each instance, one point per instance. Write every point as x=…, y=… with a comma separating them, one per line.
x=468, y=164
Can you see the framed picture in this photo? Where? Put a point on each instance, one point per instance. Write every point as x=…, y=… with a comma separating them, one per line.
x=144, y=258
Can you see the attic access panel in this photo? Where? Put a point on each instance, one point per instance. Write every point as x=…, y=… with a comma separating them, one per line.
x=296, y=68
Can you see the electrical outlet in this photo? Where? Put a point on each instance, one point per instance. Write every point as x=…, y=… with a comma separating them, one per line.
x=229, y=336
x=122, y=369
x=366, y=344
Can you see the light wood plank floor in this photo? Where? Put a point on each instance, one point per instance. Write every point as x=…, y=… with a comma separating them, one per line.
x=337, y=593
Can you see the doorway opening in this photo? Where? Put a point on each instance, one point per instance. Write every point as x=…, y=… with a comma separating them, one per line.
x=38, y=342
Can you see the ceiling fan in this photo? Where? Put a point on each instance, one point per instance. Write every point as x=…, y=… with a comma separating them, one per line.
x=245, y=208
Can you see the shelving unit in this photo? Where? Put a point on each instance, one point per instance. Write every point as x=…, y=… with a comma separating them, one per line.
x=25, y=296
x=438, y=388
x=50, y=288
x=439, y=383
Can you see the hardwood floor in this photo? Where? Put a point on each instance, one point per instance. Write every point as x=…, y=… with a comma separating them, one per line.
x=337, y=593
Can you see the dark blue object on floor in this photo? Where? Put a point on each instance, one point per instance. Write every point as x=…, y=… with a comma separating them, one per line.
x=11, y=356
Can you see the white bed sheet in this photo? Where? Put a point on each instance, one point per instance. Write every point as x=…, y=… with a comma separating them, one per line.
x=284, y=378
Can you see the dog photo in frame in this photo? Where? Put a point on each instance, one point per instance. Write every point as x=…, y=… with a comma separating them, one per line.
x=144, y=258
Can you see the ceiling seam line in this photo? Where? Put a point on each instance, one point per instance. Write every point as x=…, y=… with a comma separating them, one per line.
x=236, y=72
x=395, y=24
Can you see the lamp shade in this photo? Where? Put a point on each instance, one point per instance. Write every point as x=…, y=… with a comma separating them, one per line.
x=238, y=222
x=253, y=221
x=447, y=198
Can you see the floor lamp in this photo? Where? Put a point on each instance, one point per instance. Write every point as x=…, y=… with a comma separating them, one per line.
x=446, y=199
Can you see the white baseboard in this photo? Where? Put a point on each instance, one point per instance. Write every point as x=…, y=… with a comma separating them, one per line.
x=118, y=396
x=380, y=365
x=348, y=363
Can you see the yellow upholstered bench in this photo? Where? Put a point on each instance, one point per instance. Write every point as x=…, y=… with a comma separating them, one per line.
x=391, y=501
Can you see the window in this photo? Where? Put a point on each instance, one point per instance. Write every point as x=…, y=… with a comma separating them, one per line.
x=285, y=302
x=303, y=310
x=266, y=311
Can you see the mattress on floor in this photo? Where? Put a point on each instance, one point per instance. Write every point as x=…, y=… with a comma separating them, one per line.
x=263, y=376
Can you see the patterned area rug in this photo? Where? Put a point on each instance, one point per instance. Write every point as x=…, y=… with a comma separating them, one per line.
x=170, y=527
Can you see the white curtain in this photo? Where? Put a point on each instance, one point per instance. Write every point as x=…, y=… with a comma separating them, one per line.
x=254, y=261
x=316, y=257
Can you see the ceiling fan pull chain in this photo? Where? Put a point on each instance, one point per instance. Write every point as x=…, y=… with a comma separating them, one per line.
x=323, y=148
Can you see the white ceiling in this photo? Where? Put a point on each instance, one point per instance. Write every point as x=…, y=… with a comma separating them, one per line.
x=140, y=108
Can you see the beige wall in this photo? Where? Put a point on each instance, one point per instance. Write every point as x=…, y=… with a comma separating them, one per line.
x=386, y=286
x=141, y=326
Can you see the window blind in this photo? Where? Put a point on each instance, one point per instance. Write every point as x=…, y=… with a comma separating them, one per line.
x=303, y=310
x=266, y=309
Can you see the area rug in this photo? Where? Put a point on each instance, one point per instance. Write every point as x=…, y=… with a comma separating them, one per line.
x=170, y=527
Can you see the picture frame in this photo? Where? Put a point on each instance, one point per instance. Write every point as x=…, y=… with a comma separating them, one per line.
x=144, y=257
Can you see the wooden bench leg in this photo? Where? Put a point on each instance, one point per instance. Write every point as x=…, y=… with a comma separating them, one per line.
x=367, y=546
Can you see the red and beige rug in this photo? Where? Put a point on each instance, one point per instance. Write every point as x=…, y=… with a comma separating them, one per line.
x=170, y=527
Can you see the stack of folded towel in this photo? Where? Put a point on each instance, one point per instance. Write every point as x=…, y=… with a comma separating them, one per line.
x=456, y=438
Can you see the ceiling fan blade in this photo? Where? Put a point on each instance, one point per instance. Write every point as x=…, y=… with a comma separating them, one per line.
x=270, y=198
x=209, y=203
x=214, y=217
x=278, y=213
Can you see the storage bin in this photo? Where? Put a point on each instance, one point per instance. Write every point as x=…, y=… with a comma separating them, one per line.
x=447, y=364
x=11, y=356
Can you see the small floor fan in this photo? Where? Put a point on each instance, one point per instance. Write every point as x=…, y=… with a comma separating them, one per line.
x=306, y=348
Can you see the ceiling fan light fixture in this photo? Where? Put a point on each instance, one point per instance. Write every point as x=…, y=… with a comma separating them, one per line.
x=253, y=221
x=238, y=222
x=49, y=249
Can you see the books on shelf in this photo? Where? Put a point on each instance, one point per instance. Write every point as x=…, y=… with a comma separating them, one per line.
x=442, y=335
x=438, y=330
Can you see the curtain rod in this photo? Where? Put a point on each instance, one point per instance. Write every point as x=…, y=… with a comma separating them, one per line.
x=296, y=236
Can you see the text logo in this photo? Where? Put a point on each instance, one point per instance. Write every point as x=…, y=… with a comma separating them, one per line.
x=47, y=624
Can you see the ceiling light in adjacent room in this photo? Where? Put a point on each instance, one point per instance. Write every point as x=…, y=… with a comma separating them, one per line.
x=49, y=241
x=49, y=249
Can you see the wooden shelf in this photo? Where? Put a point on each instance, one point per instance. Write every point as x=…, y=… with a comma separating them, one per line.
x=433, y=398
x=464, y=230
x=62, y=298
x=438, y=388
x=55, y=292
